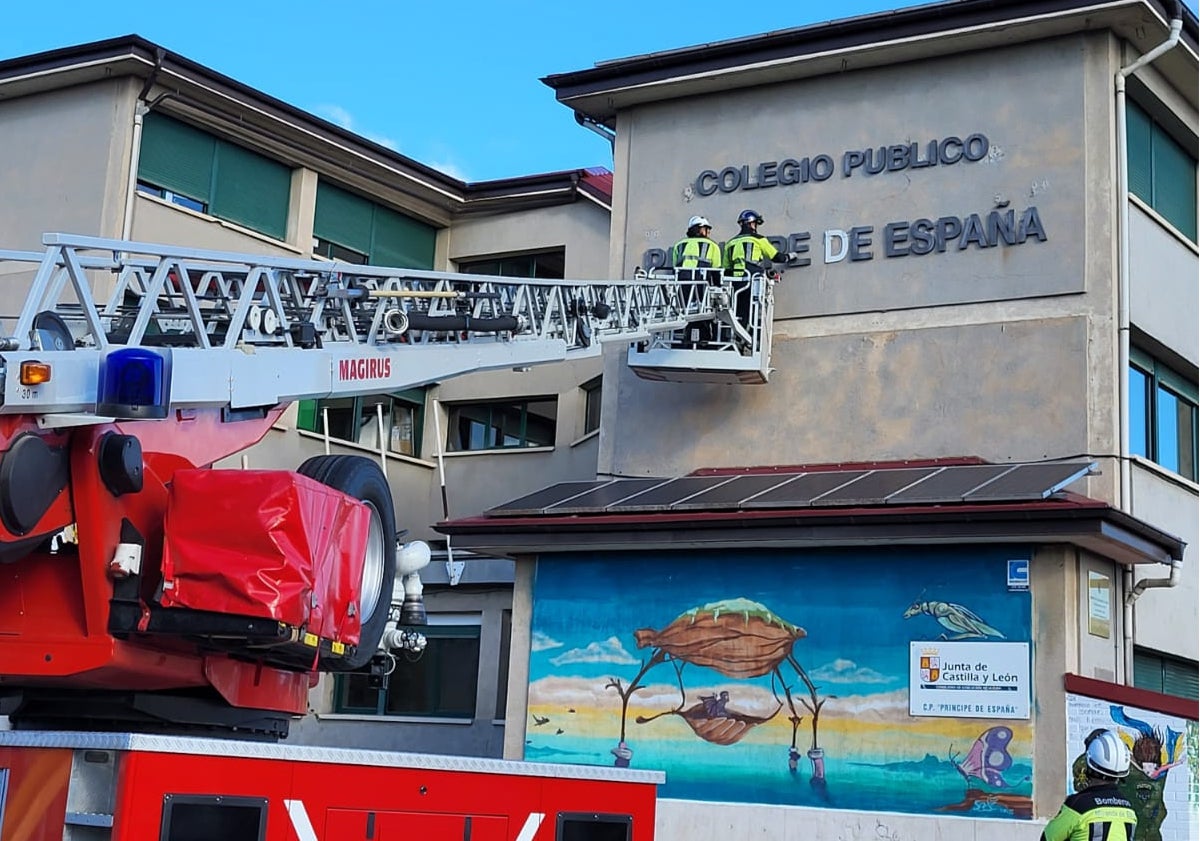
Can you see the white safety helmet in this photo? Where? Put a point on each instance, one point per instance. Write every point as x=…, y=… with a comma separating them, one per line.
x=1108, y=755
x=698, y=222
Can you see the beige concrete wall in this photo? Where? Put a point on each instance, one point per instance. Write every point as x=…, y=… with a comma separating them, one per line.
x=898, y=393
x=998, y=352
x=155, y=220
x=66, y=156
x=581, y=228
x=1164, y=297
x=1052, y=577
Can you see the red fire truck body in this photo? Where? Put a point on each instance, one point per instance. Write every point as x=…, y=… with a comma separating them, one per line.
x=142, y=787
x=141, y=589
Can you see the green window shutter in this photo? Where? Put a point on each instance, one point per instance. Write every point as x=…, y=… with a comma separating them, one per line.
x=1139, y=154
x=343, y=217
x=1180, y=679
x=251, y=190
x=176, y=157
x=1147, y=672
x=401, y=241
x=1174, y=183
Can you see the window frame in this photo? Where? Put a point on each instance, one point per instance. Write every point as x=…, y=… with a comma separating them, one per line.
x=542, y=264
x=494, y=425
x=1148, y=659
x=440, y=627
x=501, y=710
x=592, y=393
x=1149, y=146
x=310, y=414
x=1146, y=421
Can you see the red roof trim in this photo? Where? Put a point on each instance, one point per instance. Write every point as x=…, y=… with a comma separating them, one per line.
x=1144, y=698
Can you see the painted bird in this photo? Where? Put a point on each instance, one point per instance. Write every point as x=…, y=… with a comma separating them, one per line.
x=954, y=617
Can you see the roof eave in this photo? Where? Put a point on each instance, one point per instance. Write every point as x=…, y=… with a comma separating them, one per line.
x=868, y=41
x=529, y=192
x=1100, y=530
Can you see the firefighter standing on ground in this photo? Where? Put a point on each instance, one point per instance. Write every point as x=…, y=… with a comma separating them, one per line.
x=750, y=253
x=1099, y=810
x=696, y=250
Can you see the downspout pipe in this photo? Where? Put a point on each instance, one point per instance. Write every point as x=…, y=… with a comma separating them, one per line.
x=605, y=132
x=1123, y=248
x=140, y=108
x=1132, y=591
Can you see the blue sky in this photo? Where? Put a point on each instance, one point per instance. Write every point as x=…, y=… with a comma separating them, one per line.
x=454, y=85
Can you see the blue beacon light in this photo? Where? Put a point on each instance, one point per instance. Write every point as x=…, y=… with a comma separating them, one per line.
x=135, y=383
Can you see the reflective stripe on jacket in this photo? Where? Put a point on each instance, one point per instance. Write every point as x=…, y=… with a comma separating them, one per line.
x=1098, y=813
x=696, y=253
x=747, y=248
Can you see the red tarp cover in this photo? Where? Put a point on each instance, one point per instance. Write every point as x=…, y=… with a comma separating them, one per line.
x=265, y=543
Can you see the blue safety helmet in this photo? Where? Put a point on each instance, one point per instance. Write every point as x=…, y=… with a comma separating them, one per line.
x=748, y=216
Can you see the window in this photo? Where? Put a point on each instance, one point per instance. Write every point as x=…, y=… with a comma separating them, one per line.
x=356, y=419
x=440, y=683
x=544, y=264
x=591, y=405
x=502, y=425
x=354, y=229
x=1165, y=674
x=1162, y=173
x=502, y=674
x=1162, y=414
x=196, y=170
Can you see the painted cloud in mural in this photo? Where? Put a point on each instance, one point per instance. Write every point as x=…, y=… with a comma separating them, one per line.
x=608, y=651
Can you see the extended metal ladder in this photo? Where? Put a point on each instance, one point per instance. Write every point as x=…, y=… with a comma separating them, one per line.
x=251, y=330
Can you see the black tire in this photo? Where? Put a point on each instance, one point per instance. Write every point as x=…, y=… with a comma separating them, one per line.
x=362, y=479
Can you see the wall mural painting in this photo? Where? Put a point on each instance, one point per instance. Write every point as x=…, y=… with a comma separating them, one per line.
x=784, y=677
x=1163, y=777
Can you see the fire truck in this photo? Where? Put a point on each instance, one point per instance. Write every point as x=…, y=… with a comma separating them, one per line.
x=149, y=602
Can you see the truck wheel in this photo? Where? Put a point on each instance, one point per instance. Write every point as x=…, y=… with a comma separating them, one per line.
x=362, y=479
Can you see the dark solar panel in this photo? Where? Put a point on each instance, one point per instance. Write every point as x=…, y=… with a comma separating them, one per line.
x=874, y=487
x=948, y=484
x=603, y=496
x=803, y=489
x=663, y=496
x=534, y=503
x=732, y=493
x=1031, y=481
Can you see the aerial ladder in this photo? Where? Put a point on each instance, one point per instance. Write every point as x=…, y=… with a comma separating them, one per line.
x=142, y=589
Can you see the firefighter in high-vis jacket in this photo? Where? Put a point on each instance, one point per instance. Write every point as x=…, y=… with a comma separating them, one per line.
x=696, y=250
x=750, y=253
x=1099, y=810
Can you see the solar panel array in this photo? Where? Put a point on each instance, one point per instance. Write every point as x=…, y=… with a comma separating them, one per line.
x=932, y=485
